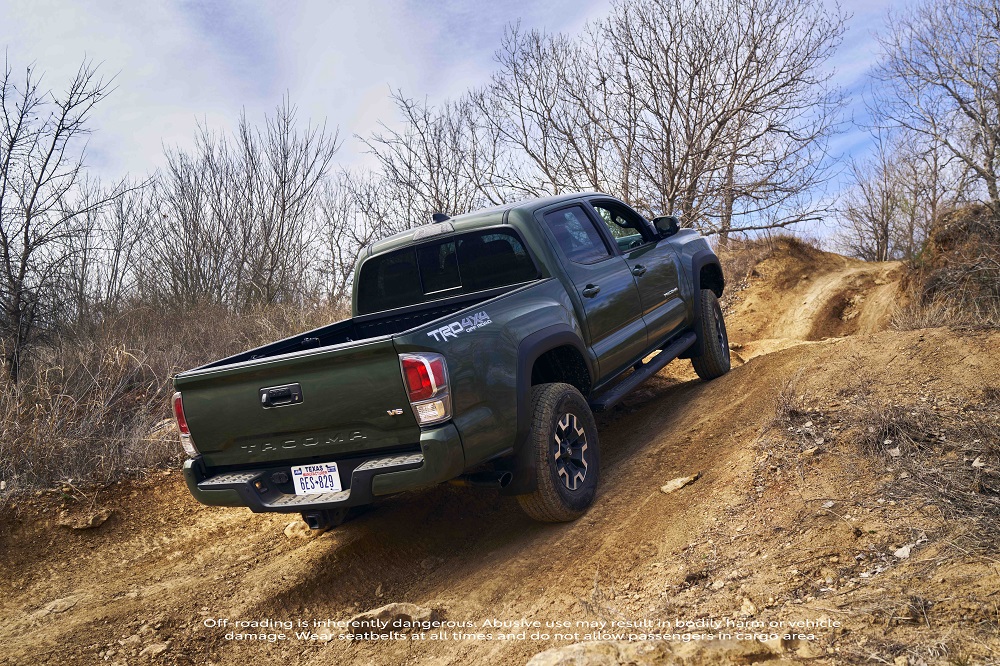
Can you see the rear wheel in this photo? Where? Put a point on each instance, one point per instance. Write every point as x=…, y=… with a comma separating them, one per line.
x=567, y=455
x=714, y=360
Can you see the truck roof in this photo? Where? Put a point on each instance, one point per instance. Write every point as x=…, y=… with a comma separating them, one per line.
x=484, y=217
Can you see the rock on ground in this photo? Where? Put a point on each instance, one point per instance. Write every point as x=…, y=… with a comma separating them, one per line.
x=680, y=482
x=396, y=613
x=154, y=650
x=84, y=521
x=298, y=529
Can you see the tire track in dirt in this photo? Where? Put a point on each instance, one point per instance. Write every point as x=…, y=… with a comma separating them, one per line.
x=801, y=294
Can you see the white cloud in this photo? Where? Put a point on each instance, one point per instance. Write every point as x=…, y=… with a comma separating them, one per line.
x=853, y=62
x=177, y=63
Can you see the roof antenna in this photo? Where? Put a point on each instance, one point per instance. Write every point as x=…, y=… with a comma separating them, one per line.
x=440, y=217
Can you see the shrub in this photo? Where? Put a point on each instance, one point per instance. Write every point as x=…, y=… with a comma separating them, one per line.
x=956, y=278
x=93, y=405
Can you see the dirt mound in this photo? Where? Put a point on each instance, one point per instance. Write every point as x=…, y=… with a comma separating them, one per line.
x=959, y=269
x=789, y=523
x=799, y=293
x=960, y=236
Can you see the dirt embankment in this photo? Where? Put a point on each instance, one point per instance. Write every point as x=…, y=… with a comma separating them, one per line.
x=799, y=293
x=789, y=522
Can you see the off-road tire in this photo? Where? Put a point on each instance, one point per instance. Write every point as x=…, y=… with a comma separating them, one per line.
x=561, y=421
x=714, y=360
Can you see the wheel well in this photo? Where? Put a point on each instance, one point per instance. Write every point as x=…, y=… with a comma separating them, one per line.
x=562, y=364
x=710, y=277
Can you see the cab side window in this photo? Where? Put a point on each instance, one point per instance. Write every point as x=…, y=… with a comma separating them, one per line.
x=628, y=229
x=576, y=235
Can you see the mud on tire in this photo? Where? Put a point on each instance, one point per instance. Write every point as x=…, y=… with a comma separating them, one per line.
x=563, y=438
x=714, y=360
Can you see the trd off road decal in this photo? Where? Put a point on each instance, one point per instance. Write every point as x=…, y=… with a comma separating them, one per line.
x=467, y=325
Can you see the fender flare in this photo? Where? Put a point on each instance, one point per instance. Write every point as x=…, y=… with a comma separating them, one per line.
x=700, y=259
x=522, y=462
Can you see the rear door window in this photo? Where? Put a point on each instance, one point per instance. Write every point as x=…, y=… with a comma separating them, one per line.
x=576, y=235
x=459, y=265
x=493, y=259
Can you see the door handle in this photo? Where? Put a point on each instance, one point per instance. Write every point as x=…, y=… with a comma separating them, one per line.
x=638, y=270
x=591, y=290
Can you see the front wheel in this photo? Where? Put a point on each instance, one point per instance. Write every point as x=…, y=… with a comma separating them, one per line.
x=714, y=360
x=567, y=455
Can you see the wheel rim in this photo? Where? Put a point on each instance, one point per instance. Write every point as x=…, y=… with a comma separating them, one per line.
x=569, y=448
x=720, y=329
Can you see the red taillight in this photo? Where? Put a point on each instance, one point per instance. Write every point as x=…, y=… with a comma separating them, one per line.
x=182, y=424
x=425, y=376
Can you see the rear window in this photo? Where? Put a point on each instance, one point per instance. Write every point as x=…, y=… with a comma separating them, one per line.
x=458, y=265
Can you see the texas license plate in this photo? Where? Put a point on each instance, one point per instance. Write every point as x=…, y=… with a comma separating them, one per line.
x=311, y=479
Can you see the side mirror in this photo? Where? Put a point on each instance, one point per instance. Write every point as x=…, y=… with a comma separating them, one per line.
x=667, y=225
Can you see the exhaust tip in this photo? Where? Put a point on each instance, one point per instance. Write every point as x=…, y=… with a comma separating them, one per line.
x=325, y=519
x=505, y=479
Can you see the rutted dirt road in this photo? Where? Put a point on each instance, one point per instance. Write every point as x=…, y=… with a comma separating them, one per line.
x=764, y=533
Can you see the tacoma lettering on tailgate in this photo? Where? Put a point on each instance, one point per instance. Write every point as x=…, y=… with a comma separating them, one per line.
x=336, y=438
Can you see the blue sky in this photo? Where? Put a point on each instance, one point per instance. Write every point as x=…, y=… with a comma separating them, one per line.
x=180, y=62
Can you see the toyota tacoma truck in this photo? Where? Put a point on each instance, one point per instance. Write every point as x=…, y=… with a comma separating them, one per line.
x=478, y=348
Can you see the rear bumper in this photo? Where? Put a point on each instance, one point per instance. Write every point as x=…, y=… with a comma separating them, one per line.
x=440, y=458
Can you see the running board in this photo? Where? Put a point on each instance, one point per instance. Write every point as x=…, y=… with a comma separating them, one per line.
x=613, y=395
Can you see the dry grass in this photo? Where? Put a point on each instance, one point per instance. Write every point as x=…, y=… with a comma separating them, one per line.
x=943, y=311
x=956, y=279
x=940, y=453
x=93, y=406
x=945, y=453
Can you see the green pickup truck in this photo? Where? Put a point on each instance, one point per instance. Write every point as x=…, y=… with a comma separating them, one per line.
x=478, y=349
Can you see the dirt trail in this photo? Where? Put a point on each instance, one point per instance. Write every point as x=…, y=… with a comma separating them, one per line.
x=801, y=294
x=751, y=530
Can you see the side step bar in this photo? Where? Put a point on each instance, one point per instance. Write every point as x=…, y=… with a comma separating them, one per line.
x=613, y=395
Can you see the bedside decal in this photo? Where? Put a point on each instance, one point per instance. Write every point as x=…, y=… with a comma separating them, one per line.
x=466, y=325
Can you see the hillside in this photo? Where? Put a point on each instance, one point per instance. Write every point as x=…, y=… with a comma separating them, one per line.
x=823, y=460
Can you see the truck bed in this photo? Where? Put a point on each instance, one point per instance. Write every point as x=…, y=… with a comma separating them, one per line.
x=347, y=375
x=365, y=327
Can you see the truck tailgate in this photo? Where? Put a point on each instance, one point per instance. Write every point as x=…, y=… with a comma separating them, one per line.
x=318, y=404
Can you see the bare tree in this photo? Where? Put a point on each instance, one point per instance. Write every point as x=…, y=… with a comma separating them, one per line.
x=896, y=195
x=931, y=183
x=719, y=110
x=523, y=109
x=737, y=106
x=124, y=228
x=356, y=209
x=428, y=162
x=872, y=205
x=44, y=199
x=941, y=64
x=237, y=218
x=104, y=255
